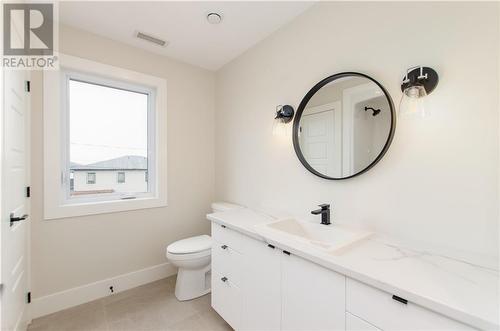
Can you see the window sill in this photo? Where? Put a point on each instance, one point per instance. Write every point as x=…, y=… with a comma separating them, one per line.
x=75, y=209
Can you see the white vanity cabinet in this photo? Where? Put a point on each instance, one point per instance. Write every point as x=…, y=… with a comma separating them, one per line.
x=313, y=297
x=270, y=289
x=227, y=279
x=256, y=286
x=262, y=288
x=354, y=323
x=226, y=299
x=387, y=312
x=252, y=269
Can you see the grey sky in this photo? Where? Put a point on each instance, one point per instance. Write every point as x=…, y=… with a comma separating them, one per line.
x=106, y=123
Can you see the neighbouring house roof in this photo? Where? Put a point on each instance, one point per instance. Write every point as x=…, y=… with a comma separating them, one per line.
x=128, y=162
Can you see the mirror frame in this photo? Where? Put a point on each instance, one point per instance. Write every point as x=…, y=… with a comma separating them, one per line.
x=303, y=104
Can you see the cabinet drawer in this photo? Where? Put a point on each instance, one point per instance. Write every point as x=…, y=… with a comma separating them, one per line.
x=227, y=262
x=231, y=238
x=380, y=309
x=354, y=323
x=227, y=300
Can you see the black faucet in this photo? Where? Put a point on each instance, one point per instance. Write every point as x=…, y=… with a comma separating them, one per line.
x=325, y=213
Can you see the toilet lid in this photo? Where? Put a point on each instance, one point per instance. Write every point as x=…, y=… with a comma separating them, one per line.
x=190, y=245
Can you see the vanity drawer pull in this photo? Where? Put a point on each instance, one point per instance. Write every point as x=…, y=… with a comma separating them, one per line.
x=224, y=247
x=286, y=252
x=399, y=299
x=271, y=246
x=224, y=279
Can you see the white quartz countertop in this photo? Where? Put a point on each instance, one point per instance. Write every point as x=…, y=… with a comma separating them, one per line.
x=464, y=290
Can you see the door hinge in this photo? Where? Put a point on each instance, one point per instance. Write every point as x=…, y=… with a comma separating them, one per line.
x=28, y=86
x=28, y=191
x=28, y=297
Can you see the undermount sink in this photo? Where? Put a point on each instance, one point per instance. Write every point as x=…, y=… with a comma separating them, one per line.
x=327, y=238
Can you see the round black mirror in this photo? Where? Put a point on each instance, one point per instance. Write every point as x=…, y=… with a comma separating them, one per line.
x=344, y=126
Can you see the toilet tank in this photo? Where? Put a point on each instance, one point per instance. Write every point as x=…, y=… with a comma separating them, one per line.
x=224, y=206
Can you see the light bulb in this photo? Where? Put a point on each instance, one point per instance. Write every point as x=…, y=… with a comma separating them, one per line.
x=415, y=91
x=412, y=101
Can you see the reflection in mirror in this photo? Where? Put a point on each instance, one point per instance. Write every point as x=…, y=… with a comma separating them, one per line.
x=344, y=126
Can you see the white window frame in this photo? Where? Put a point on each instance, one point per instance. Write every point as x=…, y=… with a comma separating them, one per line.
x=57, y=201
x=66, y=76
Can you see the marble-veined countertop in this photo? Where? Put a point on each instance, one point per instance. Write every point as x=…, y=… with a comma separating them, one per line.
x=463, y=289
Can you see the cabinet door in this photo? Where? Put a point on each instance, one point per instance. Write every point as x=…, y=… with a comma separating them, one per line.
x=354, y=323
x=313, y=297
x=226, y=300
x=261, y=288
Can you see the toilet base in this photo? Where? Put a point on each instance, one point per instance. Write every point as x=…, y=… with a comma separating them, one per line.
x=192, y=283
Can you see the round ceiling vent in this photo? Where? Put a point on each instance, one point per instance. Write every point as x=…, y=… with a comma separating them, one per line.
x=214, y=18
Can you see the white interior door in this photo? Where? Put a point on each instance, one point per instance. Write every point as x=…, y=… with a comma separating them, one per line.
x=320, y=138
x=14, y=201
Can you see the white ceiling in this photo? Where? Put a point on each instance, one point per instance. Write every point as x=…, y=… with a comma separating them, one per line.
x=183, y=24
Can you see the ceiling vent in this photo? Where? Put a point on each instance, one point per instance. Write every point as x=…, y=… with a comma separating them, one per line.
x=151, y=39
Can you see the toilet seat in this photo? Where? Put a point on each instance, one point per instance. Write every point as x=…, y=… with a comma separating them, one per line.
x=199, y=245
x=188, y=256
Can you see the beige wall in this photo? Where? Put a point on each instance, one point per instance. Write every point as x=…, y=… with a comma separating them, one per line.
x=71, y=252
x=439, y=180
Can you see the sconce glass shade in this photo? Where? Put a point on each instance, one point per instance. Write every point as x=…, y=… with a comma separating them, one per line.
x=412, y=101
x=416, y=85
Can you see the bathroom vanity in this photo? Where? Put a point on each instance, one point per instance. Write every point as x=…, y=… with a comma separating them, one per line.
x=264, y=281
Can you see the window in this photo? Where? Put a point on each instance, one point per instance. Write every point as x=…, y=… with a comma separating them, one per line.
x=120, y=178
x=97, y=142
x=108, y=146
x=84, y=141
x=90, y=179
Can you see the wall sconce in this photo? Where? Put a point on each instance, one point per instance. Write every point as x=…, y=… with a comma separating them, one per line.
x=284, y=114
x=418, y=83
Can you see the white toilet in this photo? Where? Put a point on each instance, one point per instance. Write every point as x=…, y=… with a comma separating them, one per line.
x=192, y=256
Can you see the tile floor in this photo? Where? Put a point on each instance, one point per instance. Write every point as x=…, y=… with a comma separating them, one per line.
x=148, y=307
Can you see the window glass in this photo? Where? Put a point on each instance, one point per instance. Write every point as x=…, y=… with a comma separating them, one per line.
x=108, y=137
x=120, y=177
x=91, y=177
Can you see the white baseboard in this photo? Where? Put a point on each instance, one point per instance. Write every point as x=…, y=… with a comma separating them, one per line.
x=76, y=296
